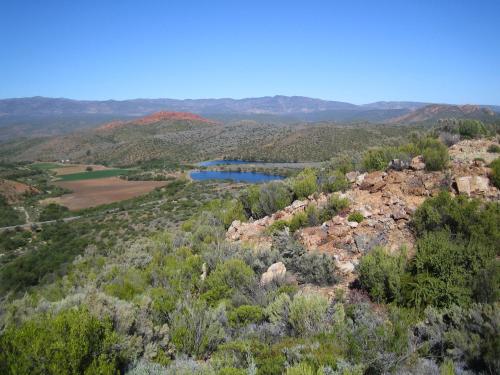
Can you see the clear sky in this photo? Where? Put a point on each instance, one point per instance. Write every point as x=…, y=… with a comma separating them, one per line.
x=355, y=51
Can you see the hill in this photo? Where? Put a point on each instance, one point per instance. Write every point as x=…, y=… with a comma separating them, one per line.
x=39, y=116
x=436, y=112
x=187, y=138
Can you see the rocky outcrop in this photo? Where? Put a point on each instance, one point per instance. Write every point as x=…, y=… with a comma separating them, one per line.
x=386, y=200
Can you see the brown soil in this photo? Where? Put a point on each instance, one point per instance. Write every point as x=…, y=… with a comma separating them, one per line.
x=90, y=193
x=13, y=190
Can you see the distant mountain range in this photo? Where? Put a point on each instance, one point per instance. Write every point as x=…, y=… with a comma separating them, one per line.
x=41, y=116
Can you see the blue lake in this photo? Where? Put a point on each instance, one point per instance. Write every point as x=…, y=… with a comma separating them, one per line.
x=251, y=177
x=210, y=163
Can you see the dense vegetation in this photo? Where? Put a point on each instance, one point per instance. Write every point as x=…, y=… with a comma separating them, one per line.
x=455, y=261
x=151, y=286
x=9, y=215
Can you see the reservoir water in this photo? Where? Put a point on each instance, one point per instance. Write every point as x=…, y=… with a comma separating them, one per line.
x=251, y=177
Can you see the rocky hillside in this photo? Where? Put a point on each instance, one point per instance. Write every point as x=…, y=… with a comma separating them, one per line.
x=436, y=112
x=386, y=201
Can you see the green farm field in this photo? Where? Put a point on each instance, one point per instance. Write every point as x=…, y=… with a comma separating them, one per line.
x=93, y=174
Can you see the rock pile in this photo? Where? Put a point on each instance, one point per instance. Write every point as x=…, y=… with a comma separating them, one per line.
x=386, y=200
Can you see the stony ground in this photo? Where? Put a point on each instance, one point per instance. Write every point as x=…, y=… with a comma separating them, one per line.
x=386, y=200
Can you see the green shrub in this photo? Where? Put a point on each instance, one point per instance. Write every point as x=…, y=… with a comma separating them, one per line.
x=382, y=275
x=261, y=200
x=9, y=216
x=301, y=369
x=71, y=342
x=305, y=183
x=308, y=314
x=495, y=173
x=377, y=159
x=334, y=181
x=53, y=211
x=334, y=206
x=197, y=329
x=228, y=277
x=356, y=216
x=435, y=155
x=313, y=267
x=494, y=148
x=469, y=129
x=245, y=314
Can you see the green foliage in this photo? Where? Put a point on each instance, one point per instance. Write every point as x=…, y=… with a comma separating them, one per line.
x=381, y=274
x=53, y=211
x=229, y=277
x=298, y=221
x=305, y=183
x=356, y=216
x=126, y=285
x=308, y=314
x=72, y=342
x=9, y=216
x=334, y=206
x=464, y=335
x=302, y=369
x=455, y=259
x=435, y=154
x=197, y=329
x=495, y=173
x=462, y=217
x=469, y=129
x=89, y=175
x=245, y=314
x=61, y=243
x=261, y=200
x=494, y=148
x=377, y=159
x=334, y=181
x=226, y=211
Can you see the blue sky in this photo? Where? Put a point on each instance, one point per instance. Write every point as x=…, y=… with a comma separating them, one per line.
x=355, y=51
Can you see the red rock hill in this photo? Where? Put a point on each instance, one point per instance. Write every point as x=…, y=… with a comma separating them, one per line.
x=158, y=117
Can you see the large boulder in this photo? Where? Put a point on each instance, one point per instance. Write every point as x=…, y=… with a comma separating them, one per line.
x=472, y=184
x=373, y=182
x=275, y=272
x=417, y=163
x=367, y=241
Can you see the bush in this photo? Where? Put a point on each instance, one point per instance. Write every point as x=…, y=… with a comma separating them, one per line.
x=53, y=211
x=494, y=148
x=196, y=329
x=301, y=369
x=9, y=216
x=229, y=277
x=469, y=129
x=308, y=314
x=435, y=156
x=305, y=183
x=465, y=335
x=377, y=159
x=245, y=314
x=314, y=268
x=356, y=216
x=334, y=181
x=334, y=206
x=72, y=342
x=381, y=275
x=495, y=173
x=259, y=201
